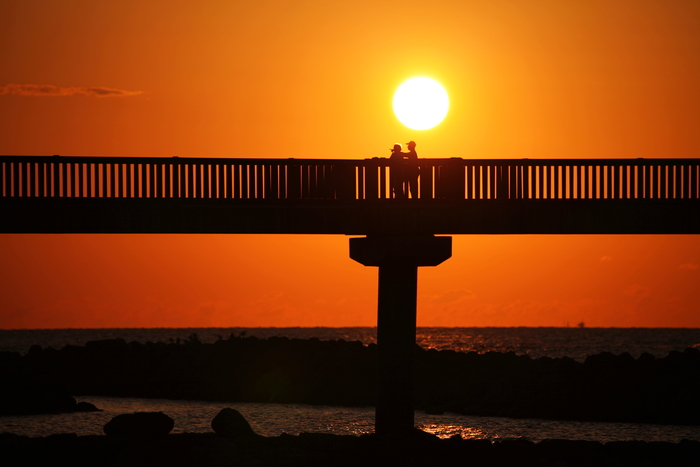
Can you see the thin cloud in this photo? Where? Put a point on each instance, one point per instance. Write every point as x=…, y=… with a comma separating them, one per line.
x=452, y=297
x=688, y=266
x=43, y=90
x=637, y=291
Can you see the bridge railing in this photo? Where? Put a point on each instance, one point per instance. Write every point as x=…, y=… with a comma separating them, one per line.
x=368, y=179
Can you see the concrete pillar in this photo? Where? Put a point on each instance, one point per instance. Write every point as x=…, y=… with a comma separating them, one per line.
x=398, y=258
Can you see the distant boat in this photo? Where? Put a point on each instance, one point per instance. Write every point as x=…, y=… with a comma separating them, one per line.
x=581, y=325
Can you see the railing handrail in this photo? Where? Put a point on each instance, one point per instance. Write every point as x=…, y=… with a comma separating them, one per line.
x=360, y=179
x=385, y=160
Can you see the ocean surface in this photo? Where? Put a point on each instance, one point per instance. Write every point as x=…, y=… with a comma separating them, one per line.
x=576, y=343
x=274, y=419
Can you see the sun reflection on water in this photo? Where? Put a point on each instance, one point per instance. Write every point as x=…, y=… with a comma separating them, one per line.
x=447, y=431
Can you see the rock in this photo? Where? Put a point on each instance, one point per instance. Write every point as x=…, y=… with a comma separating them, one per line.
x=435, y=410
x=19, y=397
x=231, y=424
x=35, y=351
x=568, y=452
x=106, y=345
x=646, y=358
x=86, y=407
x=139, y=426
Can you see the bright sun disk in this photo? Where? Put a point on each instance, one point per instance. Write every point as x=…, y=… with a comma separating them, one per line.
x=420, y=103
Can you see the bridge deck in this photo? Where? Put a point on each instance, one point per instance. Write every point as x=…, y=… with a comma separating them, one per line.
x=44, y=194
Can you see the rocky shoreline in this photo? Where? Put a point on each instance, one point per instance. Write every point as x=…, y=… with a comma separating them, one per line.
x=143, y=439
x=605, y=387
x=308, y=449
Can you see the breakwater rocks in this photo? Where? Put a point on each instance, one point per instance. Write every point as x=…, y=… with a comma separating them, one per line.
x=309, y=449
x=605, y=387
x=27, y=394
x=142, y=439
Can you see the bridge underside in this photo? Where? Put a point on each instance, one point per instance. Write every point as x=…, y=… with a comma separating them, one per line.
x=352, y=217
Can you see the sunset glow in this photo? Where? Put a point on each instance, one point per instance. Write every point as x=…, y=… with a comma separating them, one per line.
x=576, y=79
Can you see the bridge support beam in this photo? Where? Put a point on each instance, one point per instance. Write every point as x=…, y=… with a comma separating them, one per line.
x=398, y=258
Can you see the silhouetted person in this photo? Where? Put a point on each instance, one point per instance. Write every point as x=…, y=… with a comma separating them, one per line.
x=397, y=174
x=411, y=170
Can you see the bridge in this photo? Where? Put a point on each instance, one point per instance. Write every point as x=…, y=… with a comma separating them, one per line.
x=53, y=194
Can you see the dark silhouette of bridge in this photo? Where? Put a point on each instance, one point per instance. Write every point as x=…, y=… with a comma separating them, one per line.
x=44, y=194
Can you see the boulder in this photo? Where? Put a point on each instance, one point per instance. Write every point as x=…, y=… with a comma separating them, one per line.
x=20, y=397
x=139, y=426
x=231, y=424
x=86, y=407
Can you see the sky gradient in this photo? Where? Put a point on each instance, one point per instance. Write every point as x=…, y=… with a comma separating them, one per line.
x=315, y=79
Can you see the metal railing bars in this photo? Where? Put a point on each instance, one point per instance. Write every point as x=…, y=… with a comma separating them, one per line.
x=327, y=179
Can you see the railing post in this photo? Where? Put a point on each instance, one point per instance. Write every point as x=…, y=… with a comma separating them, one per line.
x=228, y=176
x=263, y=176
x=383, y=185
x=167, y=181
x=15, y=179
x=512, y=173
x=206, y=181
x=128, y=185
x=31, y=173
x=315, y=181
x=246, y=184
x=468, y=181
x=176, y=177
x=372, y=179
x=450, y=179
x=220, y=179
x=233, y=181
x=293, y=181
x=274, y=182
x=343, y=178
x=281, y=180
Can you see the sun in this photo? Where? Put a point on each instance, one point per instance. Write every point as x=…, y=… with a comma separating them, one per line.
x=421, y=103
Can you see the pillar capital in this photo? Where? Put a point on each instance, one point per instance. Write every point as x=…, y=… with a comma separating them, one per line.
x=397, y=249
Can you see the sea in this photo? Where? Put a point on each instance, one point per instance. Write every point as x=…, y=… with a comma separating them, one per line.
x=275, y=419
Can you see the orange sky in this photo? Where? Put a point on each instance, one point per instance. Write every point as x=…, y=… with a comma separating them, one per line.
x=315, y=79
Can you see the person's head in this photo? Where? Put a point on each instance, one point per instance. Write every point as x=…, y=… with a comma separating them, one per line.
x=411, y=145
x=397, y=148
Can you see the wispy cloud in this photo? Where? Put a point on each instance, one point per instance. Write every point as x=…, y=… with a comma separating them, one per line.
x=452, y=296
x=42, y=90
x=637, y=291
x=688, y=266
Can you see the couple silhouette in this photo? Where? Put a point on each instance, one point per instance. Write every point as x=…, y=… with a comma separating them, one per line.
x=404, y=171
